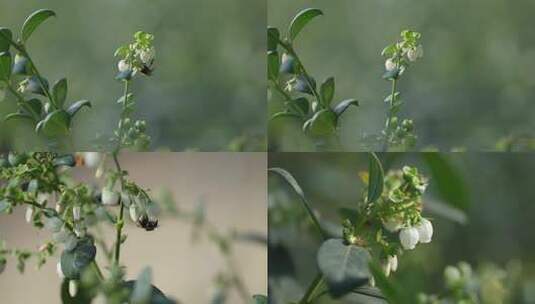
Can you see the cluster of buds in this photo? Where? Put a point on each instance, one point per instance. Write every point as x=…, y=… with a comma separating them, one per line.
x=399, y=54
x=134, y=133
x=137, y=56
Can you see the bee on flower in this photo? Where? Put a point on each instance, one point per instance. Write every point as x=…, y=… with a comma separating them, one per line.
x=137, y=56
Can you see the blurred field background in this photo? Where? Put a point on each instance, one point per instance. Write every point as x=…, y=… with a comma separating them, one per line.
x=474, y=86
x=489, y=217
x=181, y=269
x=207, y=91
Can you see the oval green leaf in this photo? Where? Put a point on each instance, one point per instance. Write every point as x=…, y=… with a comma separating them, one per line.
x=273, y=37
x=342, y=106
x=301, y=20
x=59, y=92
x=323, y=123
x=5, y=66
x=55, y=124
x=273, y=65
x=375, y=179
x=6, y=37
x=344, y=267
x=284, y=115
x=75, y=107
x=17, y=115
x=327, y=91
x=33, y=21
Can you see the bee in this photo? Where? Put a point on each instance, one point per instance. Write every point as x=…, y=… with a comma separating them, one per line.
x=147, y=223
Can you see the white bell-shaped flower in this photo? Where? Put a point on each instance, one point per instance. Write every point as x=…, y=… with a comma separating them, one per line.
x=59, y=271
x=393, y=261
x=415, y=53
x=92, y=159
x=29, y=214
x=73, y=288
x=390, y=65
x=124, y=66
x=133, y=213
x=76, y=213
x=110, y=197
x=425, y=231
x=409, y=238
x=387, y=267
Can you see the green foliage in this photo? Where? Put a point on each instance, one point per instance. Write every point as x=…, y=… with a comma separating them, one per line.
x=301, y=20
x=33, y=21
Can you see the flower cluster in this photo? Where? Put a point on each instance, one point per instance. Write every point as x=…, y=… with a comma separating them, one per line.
x=401, y=53
x=393, y=223
x=137, y=56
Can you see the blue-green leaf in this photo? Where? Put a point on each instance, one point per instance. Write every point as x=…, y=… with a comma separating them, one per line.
x=59, y=92
x=344, y=267
x=301, y=20
x=75, y=107
x=342, y=106
x=33, y=21
x=327, y=91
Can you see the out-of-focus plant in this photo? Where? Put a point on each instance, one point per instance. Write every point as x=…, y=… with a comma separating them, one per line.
x=462, y=284
x=288, y=77
x=385, y=222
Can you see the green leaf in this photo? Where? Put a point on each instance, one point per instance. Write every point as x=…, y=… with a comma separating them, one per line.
x=5, y=66
x=33, y=21
x=36, y=106
x=342, y=106
x=284, y=115
x=157, y=296
x=273, y=65
x=448, y=181
x=273, y=37
x=75, y=107
x=73, y=262
x=59, y=92
x=299, y=105
x=260, y=299
x=142, y=287
x=323, y=123
x=327, y=91
x=376, y=178
x=5, y=39
x=67, y=265
x=344, y=267
x=56, y=123
x=301, y=20
x=18, y=115
x=295, y=186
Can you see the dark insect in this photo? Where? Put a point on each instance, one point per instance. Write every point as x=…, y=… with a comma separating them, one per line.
x=147, y=69
x=147, y=223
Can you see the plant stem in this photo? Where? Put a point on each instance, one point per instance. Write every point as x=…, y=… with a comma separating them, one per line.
x=97, y=270
x=389, y=116
x=119, y=222
x=314, y=285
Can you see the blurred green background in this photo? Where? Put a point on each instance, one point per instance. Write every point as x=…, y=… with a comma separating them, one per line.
x=208, y=86
x=481, y=205
x=474, y=85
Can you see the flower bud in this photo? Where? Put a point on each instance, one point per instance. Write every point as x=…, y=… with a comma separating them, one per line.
x=92, y=159
x=59, y=207
x=425, y=231
x=408, y=238
x=29, y=214
x=392, y=224
x=124, y=66
x=147, y=55
x=73, y=288
x=110, y=197
x=59, y=271
x=76, y=210
x=393, y=261
x=452, y=275
x=390, y=65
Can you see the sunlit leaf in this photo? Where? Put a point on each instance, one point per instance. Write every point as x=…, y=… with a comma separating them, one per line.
x=33, y=21
x=342, y=106
x=301, y=20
